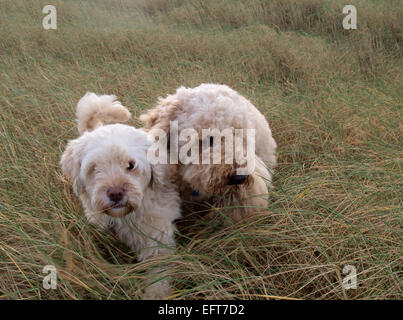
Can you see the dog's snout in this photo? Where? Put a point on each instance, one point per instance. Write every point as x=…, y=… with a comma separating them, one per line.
x=116, y=194
x=237, y=179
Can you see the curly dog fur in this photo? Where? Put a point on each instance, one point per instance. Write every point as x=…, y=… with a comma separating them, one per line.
x=119, y=189
x=220, y=107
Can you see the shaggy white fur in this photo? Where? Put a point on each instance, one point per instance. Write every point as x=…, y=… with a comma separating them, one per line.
x=213, y=106
x=119, y=189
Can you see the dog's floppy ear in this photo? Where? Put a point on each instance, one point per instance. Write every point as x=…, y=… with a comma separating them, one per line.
x=69, y=162
x=157, y=176
x=160, y=176
x=161, y=116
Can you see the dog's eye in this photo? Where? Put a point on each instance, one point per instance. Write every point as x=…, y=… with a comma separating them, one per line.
x=131, y=165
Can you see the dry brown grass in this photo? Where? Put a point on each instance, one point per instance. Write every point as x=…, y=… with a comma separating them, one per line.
x=333, y=99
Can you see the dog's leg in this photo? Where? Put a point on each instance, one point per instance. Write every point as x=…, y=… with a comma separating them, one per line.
x=160, y=242
x=151, y=237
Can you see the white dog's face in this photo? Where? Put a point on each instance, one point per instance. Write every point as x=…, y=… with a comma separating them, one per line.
x=109, y=168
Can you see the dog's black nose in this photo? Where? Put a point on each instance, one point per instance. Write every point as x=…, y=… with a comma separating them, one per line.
x=116, y=194
x=237, y=179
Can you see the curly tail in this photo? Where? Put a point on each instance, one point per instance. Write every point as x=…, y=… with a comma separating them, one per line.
x=92, y=110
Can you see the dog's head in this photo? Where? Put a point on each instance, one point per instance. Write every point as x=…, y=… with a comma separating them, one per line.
x=217, y=168
x=109, y=168
x=223, y=112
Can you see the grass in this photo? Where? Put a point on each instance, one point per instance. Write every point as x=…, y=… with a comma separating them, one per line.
x=333, y=100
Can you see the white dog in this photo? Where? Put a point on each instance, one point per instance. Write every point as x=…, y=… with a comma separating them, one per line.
x=119, y=189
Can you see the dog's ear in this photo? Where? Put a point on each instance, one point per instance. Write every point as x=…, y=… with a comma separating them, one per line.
x=157, y=176
x=69, y=162
x=161, y=116
x=161, y=176
x=165, y=202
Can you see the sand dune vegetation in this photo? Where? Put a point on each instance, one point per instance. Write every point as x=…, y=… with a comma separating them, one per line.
x=333, y=98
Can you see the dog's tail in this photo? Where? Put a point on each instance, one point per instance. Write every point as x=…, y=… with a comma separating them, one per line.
x=92, y=110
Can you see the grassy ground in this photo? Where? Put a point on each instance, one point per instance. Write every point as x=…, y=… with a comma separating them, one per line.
x=333, y=100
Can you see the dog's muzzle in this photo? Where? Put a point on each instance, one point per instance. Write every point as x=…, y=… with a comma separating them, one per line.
x=116, y=194
x=237, y=179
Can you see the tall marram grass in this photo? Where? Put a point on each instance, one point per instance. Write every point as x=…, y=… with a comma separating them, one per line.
x=332, y=97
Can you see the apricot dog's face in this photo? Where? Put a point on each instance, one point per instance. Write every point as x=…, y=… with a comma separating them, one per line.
x=216, y=177
x=109, y=168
